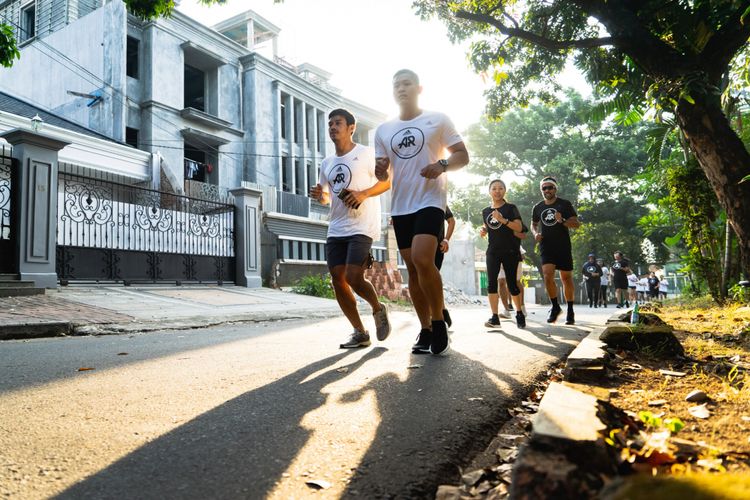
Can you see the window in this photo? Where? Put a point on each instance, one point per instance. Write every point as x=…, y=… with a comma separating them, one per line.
x=283, y=116
x=131, y=136
x=285, y=181
x=195, y=88
x=296, y=119
x=299, y=177
x=28, y=21
x=131, y=63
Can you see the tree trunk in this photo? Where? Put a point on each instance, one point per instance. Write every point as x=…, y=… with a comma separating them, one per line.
x=725, y=161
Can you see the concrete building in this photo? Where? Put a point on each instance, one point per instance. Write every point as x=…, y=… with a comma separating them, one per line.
x=216, y=107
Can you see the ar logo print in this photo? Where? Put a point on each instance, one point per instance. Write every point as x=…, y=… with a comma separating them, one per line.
x=548, y=217
x=616, y=265
x=591, y=269
x=491, y=222
x=340, y=177
x=407, y=142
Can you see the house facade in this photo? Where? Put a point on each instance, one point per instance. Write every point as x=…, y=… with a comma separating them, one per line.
x=215, y=107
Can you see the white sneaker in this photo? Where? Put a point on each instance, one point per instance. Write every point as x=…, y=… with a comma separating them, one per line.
x=505, y=314
x=382, y=324
x=356, y=339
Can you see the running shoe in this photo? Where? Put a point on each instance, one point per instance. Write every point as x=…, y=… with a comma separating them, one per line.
x=447, y=318
x=424, y=339
x=520, y=320
x=570, y=318
x=382, y=324
x=553, y=314
x=493, y=322
x=440, y=341
x=505, y=314
x=510, y=306
x=356, y=339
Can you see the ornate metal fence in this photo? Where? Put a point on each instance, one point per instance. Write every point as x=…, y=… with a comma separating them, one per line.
x=6, y=245
x=107, y=231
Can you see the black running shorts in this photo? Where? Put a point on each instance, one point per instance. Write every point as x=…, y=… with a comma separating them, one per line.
x=428, y=220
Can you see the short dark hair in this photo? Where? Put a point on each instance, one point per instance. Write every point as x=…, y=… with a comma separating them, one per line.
x=407, y=72
x=350, y=120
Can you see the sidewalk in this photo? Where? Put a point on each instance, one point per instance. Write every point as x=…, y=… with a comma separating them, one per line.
x=101, y=309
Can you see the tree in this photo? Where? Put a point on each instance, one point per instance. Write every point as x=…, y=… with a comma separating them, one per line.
x=145, y=9
x=673, y=56
x=596, y=164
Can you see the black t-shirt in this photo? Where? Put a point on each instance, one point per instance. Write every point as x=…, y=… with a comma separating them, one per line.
x=617, y=271
x=500, y=237
x=653, y=284
x=592, y=267
x=448, y=215
x=554, y=234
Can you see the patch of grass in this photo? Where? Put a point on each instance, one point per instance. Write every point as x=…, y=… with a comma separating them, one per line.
x=317, y=285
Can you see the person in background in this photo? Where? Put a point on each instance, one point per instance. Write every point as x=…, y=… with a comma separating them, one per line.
x=620, y=268
x=663, y=287
x=443, y=247
x=641, y=289
x=592, y=275
x=551, y=221
x=632, y=286
x=653, y=286
x=501, y=221
x=604, y=283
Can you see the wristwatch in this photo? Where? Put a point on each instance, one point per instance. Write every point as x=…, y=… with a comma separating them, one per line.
x=443, y=163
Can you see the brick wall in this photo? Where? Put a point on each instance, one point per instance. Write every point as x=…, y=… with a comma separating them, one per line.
x=387, y=281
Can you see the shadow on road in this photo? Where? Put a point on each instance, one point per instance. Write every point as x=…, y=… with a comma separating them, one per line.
x=237, y=450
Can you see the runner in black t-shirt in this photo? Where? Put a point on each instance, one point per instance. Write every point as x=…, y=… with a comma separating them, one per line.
x=592, y=273
x=443, y=239
x=620, y=269
x=550, y=221
x=501, y=220
x=653, y=286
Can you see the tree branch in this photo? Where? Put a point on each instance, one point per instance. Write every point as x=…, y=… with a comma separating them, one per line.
x=722, y=47
x=541, y=41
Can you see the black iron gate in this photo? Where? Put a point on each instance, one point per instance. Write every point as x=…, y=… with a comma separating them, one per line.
x=107, y=231
x=7, y=264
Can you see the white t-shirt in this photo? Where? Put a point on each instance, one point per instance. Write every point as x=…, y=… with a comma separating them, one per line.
x=632, y=280
x=663, y=286
x=412, y=145
x=354, y=171
x=642, y=285
x=605, y=276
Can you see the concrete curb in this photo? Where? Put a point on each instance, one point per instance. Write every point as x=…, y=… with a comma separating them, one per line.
x=36, y=330
x=566, y=455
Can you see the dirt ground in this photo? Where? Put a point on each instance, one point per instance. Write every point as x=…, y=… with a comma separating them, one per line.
x=717, y=361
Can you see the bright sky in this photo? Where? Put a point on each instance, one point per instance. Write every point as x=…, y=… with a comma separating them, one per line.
x=362, y=43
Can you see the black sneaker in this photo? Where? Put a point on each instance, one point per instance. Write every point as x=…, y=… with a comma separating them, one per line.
x=447, y=318
x=553, y=314
x=520, y=320
x=510, y=306
x=493, y=322
x=571, y=318
x=422, y=346
x=440, y=341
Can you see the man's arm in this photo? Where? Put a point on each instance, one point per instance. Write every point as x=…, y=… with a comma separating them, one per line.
x=459, y=158
x=355, y=198
x=535, y=231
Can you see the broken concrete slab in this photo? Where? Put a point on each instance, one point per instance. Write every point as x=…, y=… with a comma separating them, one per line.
x=659, y=339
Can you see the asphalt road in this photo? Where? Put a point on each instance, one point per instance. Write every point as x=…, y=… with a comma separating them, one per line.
x=260, y=410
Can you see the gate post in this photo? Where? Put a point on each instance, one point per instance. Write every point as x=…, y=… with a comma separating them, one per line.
x=35, y=204
x=247, y=236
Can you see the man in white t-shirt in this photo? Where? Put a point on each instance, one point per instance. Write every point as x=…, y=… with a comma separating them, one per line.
x=412, y=149
x=604, y=283
x=347, y=181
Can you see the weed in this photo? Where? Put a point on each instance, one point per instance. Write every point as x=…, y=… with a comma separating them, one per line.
x=316, y=285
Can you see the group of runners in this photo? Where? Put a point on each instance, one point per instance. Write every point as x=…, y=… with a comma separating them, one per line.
x=410, y=159
x=628, y=287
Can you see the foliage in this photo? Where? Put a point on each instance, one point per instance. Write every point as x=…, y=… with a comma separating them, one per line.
x=673, y=425
x=8, y=49
x=739, y=293
x=317, y=285
x=596, y=163
x=645, y=59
